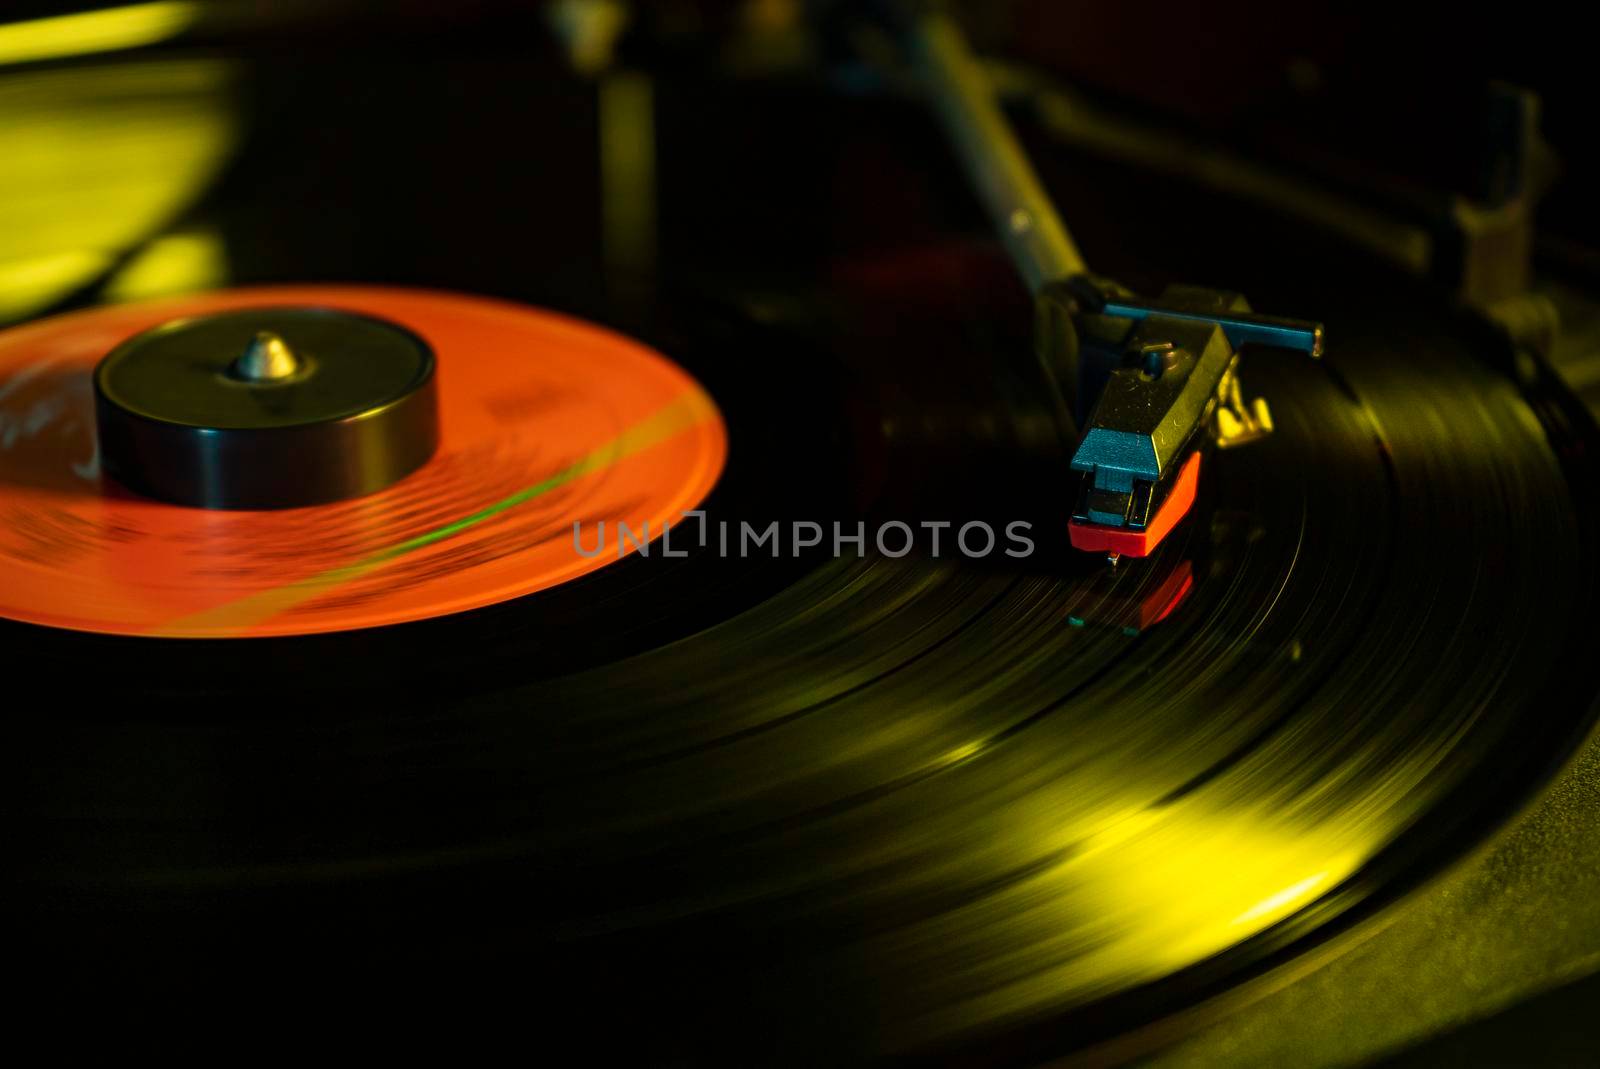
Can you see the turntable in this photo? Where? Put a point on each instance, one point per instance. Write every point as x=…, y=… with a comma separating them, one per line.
x=749, y=533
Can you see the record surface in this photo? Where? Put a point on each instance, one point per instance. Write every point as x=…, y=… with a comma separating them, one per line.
x=899, y=803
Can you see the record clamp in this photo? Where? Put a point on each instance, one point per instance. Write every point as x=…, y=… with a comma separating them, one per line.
x=266, y=408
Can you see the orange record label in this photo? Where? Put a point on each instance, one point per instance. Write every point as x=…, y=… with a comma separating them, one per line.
x=545, y=422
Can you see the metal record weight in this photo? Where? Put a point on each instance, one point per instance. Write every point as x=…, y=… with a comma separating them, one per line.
x=266, y=408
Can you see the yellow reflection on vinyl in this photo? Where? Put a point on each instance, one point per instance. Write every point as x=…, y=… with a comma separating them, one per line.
x=1142, y=893
x=98, y=160
x=180, y=262
x=87, y=32
x=1287, y=900
x=1178, y=889
x=31, y=283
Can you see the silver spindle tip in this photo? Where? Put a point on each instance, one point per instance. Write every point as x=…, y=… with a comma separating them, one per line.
x=267, y=358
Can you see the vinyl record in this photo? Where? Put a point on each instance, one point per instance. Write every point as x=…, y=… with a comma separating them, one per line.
x=900, y=804
x=547, y=423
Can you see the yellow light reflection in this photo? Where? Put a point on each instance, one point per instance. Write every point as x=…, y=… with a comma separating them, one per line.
x=89, y=32
x=1146, y=891
x=33, y=283
x=628, y=178
x=1284, y=902
x=97, y=160
x=1130, y=895
x=181, y=262
x=962, y=753
x=1180, y=887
